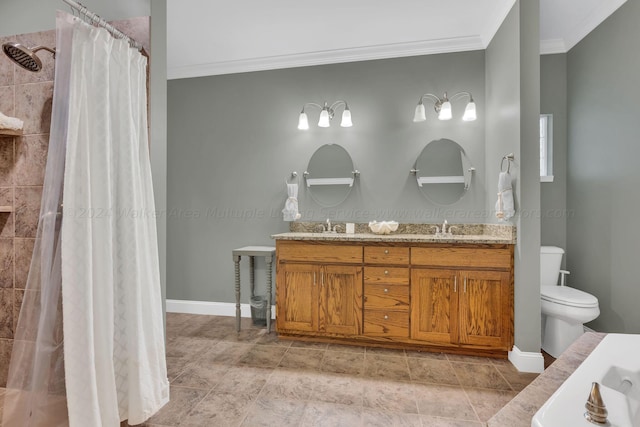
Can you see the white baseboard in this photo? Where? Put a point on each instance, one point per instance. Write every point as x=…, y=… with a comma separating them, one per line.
x=587, y=329
x=526, y=361
x=210, y=308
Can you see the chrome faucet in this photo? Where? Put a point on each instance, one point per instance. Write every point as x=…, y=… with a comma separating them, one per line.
x=444, y=232
x=328, y=227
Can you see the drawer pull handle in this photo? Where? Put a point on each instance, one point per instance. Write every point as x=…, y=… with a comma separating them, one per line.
x=386, y=272
x=386, y=317
x=455, y=284
x=465, y=284
x=386, y=251
x=386, y=291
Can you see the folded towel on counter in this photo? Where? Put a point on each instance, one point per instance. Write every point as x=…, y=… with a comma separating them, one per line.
x=504, y=206
x=290, y=211
x=10, y=123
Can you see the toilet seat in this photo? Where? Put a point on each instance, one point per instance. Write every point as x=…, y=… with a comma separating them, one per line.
x=566, y=295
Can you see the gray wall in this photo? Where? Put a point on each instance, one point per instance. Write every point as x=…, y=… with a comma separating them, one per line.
x=158, y=130
x=233, y=141
x=29, y=16
x=602, y=172
x=513, y=91
x=553, y=195
x=527, y=259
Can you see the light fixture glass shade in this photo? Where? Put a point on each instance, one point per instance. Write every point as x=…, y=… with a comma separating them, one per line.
x=420, y=114
x=445, y=111
x=346, y=119
x=303, y=121
x=469, y=112
x=324, y=121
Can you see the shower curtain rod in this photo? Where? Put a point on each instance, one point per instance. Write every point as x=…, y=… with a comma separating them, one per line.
x=96, y=20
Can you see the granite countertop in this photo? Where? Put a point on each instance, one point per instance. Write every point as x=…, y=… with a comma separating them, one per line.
x=411, y=238
x=411, y=233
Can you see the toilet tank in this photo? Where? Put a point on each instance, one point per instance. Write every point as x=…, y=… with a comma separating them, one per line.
x=550, y=260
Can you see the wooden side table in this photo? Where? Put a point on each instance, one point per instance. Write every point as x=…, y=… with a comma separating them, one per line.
x=268, y=252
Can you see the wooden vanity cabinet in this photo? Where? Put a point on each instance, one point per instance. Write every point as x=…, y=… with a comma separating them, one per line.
x=441, y=296
x=386, y=292
x=323, y=297
x=468, y=303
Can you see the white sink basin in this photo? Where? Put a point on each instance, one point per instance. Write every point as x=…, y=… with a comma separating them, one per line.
x=615, y=364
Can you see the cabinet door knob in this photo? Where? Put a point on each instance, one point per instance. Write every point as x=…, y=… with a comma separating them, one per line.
x=386, y=291
x=386, y=251
x=386, y=317
x=386, y=272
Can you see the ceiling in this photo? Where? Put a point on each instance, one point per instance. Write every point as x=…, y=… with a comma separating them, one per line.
x=213, y=37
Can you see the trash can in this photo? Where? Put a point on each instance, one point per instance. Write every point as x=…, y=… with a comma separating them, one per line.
x=259, y=310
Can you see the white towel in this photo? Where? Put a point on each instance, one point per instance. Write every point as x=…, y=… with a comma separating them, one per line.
x=10, y=123
x=290, y=211
x=504, y=206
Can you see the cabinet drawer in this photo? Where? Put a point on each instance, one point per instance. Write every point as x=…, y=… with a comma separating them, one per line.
x=382, y=323
x=305, y=252
x=386, y=255
x=462, y=257
x=390, y=297
x=398, y=276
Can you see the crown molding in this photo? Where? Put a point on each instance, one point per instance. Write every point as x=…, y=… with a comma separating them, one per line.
x=395, y=50
x=595, y=18
x=551, y=46
x=496, y=22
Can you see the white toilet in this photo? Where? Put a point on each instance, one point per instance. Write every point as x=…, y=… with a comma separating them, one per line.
x=564, y=309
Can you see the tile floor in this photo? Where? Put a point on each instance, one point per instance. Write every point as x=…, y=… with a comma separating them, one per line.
x=221, y=378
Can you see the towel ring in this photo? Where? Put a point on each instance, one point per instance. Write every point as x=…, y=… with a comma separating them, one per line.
x=294, y=175
x=509, y=158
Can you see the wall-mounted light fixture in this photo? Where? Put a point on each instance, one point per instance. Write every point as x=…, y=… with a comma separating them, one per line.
x=443, y=107
x=326, y=114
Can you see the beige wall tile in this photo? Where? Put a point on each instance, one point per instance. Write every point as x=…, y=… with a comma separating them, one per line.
x=6, y=313
x=33, y=105
x=6, y=263
x=23, y=253
x=27, y=210
x=31, y=159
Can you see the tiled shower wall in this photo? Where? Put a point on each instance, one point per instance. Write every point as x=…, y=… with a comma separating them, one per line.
x=28, y=96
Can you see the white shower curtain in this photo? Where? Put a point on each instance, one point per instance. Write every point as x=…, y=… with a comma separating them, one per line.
x=92, y=304
x=113, y=326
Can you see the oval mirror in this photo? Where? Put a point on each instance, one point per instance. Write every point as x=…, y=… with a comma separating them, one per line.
x=330, y=175
x=443, y=171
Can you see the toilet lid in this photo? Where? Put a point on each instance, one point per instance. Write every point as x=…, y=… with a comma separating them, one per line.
x=568, y=296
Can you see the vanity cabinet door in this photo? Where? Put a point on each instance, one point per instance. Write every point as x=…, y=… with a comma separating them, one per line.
x=484, y=306
x=434, y=305
x=340, y=299
x=297, y=290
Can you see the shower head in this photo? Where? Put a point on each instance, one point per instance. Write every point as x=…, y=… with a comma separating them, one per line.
x=25, y=56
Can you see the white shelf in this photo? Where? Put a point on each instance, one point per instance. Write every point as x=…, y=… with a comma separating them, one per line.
x=329, y=181
x=440, y=180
